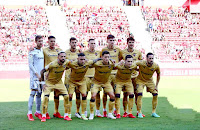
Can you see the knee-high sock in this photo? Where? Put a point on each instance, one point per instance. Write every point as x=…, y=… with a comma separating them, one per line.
x=70, y=105
x=45, y=104
x=154, y=103
x=78, y=102
x=66, y=103
x=139, y=104
x=56, y=102
x=92, y=105
x=117, y=104
x=130, y=104
x=125, y=102
x=98, y=101
x=111, y=105
x=83, y=105
x=30, y=102
x=104, y=100
x=38, y=101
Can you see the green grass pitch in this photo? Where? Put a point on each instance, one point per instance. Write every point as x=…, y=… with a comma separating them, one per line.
x=178, y=106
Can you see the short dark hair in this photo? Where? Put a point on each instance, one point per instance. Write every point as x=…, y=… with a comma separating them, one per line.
x=128, y=56
x=38, y=37
x=110, y=36
x=72, y=38
x=91, y=39
x=105, y=52
x=61, y=52
x=148, y=54
x=81, y=54
x=130, y=39
x=51, y=37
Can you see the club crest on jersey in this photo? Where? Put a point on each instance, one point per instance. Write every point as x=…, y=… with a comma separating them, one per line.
x=134, y=54
x=96, y=54
x=152, y=69
x=64, y=66
x=84, y=66
x=115, y=50
x=109, y=66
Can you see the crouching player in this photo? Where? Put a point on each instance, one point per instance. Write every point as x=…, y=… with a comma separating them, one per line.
x=146, y=71
x=54, y=82
x=36, y=63
x=123, y=81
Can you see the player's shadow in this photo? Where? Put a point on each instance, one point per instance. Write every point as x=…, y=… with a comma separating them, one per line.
x=13, y=115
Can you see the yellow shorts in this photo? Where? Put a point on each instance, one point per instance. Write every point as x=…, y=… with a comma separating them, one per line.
x=126, y=86
x=80, y=86
x=112, y=79
x=96, y=86
x=58, y=87
x=149, y=84
x=89, y=83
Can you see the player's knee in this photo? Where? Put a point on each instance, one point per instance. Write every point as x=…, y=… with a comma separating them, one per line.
x=117, y=95
x=155, y=94
x=131, y=96
x=112, y=96
x=92, y=100
x=139, y=94
x=38, y=95
x=70, y=96
x=78, y=96
x=56, y=97
x=84, y=98
x=65, y=96
x=112, y=99
x=33, y=93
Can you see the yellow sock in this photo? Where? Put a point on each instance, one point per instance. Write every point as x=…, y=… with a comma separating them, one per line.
x=117, y=105
x=70, y=106
x=130, y=105
x=139, y=104
x=92, y=105
x=98, y=100
x=104, y=100
x=154, y=103
x=45, y=104
x=78, y=104
x=66, y=103
x=56, y=102
x=111, y=105
x=83, y=105
x=125, y=103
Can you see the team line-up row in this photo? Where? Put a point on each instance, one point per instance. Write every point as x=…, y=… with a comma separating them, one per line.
x=112, y=69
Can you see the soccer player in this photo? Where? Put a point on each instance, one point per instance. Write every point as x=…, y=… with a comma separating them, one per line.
x=103, y=70
x=54, y=82
x=36, y=63
x=72, y=54
x=92, y=54
x=77, y=81
x=51, y=54
x=123, y=81
x=115, y=54
x=146, y=71
x=137, y=55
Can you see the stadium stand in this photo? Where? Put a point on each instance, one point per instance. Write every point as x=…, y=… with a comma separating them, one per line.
x=19, y=25
x=86, y=22
x=175, y=34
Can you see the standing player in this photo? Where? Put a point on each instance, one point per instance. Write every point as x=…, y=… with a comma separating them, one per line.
x=146, y=71
x=77, y=81
x=36, y=63
x=123, y=81
x=92, y=54
x=115, y=54
x=51, y=54
x=103, y=70
x=54, y=82
x=72, y=54
x=137, y=55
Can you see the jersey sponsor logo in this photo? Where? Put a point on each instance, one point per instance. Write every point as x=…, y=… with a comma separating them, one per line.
x=115, y=50
x=52, y=55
